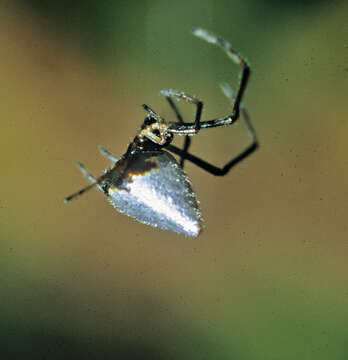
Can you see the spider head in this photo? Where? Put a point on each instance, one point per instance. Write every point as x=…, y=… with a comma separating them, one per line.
x=156, y=130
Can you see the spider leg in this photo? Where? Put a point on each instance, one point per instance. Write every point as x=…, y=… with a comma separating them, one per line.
x=183, y=129
x=90, y=178
x=187, y=128
x=107, y=154
x=233, y=55
x=93, y=182
x=214, y=170
x=187, y=141
x=181, y=95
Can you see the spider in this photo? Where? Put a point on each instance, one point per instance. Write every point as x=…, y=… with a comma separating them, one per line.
x=147, y=183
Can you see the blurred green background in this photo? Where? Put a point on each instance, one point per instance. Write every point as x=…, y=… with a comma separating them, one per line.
x=268, y=278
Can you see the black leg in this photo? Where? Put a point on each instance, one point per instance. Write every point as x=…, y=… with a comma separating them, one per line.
x=233, y=55
x=187, y=142
x=226, y=168
x=93, y=181
x=188, y=128
x=182, y=128
x=90, y=178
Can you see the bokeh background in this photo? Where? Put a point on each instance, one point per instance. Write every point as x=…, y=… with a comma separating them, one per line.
x=268, y=277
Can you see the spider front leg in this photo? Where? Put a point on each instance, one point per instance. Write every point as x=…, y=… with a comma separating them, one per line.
x=187, y=141
x=199, y=104
x=186, y=130
x=235, y=57
x=212, y=123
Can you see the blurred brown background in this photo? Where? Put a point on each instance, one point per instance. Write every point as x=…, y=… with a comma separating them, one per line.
x=267, y=279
